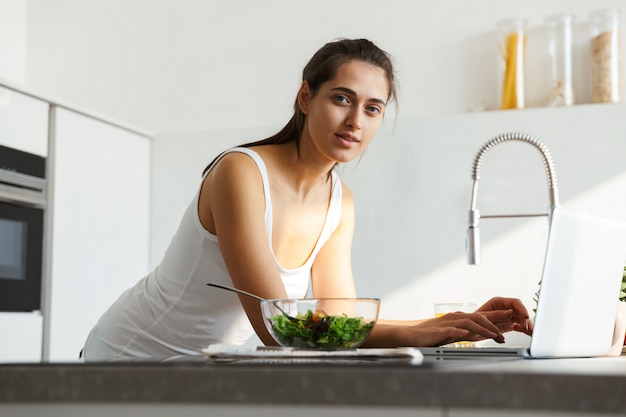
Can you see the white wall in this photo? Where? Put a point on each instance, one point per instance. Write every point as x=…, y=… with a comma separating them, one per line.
x=13, y=40
x=192, y=65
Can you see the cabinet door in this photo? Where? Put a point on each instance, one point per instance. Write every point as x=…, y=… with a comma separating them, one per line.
x=21, y=337
x=100, y=224
x=23, y=122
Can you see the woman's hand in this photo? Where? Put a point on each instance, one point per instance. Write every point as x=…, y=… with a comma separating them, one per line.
x=449, y=328
x=453, y=327
x=497, y=316
x=508, y=314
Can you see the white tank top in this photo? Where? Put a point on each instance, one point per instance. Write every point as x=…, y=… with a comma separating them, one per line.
x=173, y=312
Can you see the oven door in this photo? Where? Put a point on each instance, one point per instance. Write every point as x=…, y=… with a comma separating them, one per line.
x=21, y=256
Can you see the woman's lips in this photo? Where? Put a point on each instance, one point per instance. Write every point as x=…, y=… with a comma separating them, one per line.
x=348, y=137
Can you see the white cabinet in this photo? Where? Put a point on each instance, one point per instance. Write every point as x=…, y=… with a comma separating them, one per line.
x=21, y=337
x=23, y=122
x=100, y=218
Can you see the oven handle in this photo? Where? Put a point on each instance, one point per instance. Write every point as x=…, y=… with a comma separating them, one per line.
x=22, y=189
x=22, y=196
x=18, y=179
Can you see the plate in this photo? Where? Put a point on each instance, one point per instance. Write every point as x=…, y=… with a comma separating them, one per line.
x=266, y=354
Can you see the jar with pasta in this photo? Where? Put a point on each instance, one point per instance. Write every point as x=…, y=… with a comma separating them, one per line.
x=606, y=80
x=511, y=62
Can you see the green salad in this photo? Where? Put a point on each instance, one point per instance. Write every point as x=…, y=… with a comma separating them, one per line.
x=321, y=331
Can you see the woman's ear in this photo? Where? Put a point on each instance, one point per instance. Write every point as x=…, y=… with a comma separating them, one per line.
x=304, y=95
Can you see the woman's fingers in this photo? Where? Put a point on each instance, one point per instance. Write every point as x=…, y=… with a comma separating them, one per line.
x=508, y=320
x=519, y=320
x=488, y=322
x=503, y=303
x=478, y=326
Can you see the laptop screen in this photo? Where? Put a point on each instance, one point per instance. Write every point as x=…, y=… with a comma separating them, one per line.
x=580, y=284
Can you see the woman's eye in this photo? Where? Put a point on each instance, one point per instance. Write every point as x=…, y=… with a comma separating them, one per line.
x=373, y=109
x=341, y=99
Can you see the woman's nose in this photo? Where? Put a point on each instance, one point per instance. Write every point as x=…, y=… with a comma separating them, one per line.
x=354, y=120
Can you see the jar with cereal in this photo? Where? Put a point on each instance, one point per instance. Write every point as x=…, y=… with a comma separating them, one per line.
x=606, y=79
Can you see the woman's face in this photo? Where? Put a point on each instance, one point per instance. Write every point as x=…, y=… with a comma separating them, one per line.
x=346, y=112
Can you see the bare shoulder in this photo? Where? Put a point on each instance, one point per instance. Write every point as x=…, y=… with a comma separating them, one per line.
x=234, y=161
x=232, y=189
x=233, y=168
x=235, y=175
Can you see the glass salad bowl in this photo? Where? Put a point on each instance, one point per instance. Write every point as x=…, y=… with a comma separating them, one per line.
x=321, y=323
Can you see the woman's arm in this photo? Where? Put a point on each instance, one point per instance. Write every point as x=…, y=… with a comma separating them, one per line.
x=331, y=274
x=232, y=206
x=497, y=316
x=435, y=332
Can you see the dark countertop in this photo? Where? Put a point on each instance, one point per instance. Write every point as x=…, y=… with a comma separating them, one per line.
x=595, y=385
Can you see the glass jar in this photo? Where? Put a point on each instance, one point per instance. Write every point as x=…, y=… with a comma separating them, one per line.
x=511, y=62
x=561, y=90
x=605, y=57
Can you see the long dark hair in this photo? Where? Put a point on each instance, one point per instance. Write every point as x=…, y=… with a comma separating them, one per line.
x=321, y=68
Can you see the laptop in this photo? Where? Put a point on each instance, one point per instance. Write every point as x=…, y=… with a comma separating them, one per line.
x=579, y=292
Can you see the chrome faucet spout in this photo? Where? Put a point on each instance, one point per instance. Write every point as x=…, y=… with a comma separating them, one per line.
x=473, y=231
x=473, y=238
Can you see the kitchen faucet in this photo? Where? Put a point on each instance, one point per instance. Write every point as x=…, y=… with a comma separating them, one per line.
x=473, y=232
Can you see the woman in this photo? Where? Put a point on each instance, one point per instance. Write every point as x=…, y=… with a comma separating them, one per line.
x=272, y=216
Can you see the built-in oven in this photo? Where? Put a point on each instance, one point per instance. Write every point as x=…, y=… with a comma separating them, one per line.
x=22, y=205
